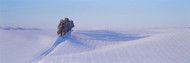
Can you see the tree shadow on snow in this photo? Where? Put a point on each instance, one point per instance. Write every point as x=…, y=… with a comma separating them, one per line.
x=106, y=35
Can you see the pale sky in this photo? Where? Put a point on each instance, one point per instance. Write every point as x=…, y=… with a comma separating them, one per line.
x=96, y=13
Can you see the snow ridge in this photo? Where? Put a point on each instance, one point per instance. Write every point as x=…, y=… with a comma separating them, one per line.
x=80, y=41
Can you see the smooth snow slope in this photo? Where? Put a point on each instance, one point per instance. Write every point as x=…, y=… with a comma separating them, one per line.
x=131, y=46
x=21, y=46
x=96, y=46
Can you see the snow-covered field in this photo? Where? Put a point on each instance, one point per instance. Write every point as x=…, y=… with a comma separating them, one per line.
x=155, y=45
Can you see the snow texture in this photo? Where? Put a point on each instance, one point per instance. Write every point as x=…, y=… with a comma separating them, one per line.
x=169, y=45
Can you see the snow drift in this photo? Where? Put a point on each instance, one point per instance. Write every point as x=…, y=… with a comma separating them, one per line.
x=102, y=46
x=85, y=40
x=97, y=46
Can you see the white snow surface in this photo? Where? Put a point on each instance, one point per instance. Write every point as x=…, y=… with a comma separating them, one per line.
x=155, y=45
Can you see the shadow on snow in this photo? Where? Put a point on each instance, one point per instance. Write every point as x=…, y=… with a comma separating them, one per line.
x=106, y=35
x=103, y=35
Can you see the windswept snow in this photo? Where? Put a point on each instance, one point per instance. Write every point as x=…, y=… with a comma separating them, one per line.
x=97, y=46
x=18, y=46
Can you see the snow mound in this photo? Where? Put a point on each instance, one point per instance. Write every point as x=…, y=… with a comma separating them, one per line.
x=103, y=46
x=155, y=45
x=86, y=40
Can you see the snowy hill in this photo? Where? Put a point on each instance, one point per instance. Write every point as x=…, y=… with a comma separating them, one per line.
x=100, y=46
x=97, y=46
x=83, y=40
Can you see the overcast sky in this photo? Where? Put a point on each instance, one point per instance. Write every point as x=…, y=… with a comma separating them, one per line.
x=96, y=13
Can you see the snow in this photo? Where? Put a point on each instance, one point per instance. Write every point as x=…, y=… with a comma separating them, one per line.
x=21, y=46
x=163, y=45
